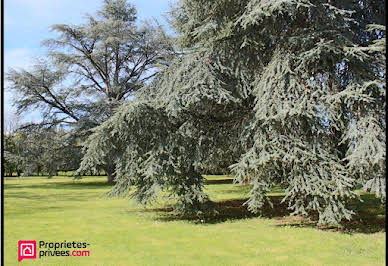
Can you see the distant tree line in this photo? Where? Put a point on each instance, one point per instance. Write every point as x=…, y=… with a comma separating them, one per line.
x=40, y=151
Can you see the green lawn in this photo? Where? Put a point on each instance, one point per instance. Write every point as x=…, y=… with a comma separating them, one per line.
x=61, y=209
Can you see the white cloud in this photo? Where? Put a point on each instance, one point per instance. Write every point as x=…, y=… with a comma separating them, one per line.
x=43, y=13
x=17, y=58
x=8, y=20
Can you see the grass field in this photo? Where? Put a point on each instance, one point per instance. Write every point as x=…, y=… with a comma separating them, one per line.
x=119, y=233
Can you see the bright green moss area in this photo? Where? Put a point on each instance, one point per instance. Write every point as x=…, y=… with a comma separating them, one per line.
x=121, y=234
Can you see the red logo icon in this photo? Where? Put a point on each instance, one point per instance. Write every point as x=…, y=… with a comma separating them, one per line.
x=26, y=250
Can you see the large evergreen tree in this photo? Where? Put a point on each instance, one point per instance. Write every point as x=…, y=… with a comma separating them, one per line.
x=91, y=69
x=285, y=92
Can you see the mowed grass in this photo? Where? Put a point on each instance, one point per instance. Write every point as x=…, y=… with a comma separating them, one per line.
x=119, y=233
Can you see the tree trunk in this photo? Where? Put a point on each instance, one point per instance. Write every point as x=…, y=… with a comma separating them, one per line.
x=111, y=174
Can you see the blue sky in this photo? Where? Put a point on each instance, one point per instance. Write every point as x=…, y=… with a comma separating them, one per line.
x=27, y=23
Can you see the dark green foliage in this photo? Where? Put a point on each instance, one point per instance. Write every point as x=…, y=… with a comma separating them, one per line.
x=285, y=92
x=167, y=142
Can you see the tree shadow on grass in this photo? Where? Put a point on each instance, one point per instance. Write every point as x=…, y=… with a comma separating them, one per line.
x=369, y=217
x=218, y=181
x=52, y=198
x=55, y=191
x=226, y=210
x=74, y=184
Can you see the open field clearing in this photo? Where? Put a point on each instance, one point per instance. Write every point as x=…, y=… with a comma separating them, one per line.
x=58, y=209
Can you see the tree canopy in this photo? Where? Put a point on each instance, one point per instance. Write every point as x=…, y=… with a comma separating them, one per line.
x=91, y=68
x=285, y=92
